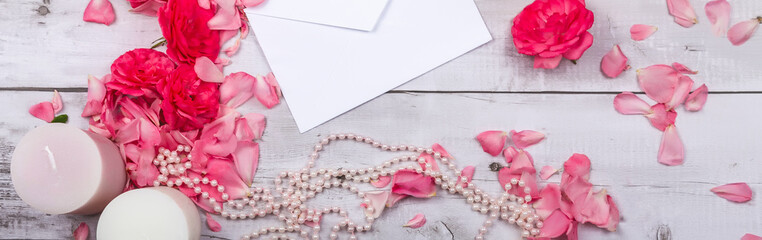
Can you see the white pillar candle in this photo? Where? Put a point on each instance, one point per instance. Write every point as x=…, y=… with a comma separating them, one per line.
x=58, y=169
x=154, y=213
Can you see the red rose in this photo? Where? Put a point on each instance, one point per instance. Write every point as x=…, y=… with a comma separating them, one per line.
x=550, y=29
x=188, y=103
x=184, y=26
x=138, y=71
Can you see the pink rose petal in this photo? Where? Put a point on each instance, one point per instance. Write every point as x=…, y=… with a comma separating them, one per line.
x=697, y=99
x=684, y=86
x=236, y=89
x=750, y=236
x=550, y=200
x=207, y=71
x=226, y=175
x=578, y=165
x=382, y=181
x=492, y=141
x=205, y=4
x=149, y=8
x=736, y=192
x=576, y=51
x=99, y=11
x=212, y=224
x=227, y=16
x=82, y=232
x=509, y=153
x=408, y=182
x=266, y=90
x=430, y=160
x=595, y=209
x=43, y=110
x=742, y=31
x=614, y=62
x=378, y=201
x=613, y=215
x=467, y=172
x=394, y=198
x=246, y=159
x=253, y=123
x=526, y=138
x=671, y=151
x=546, y=172
x=555, y=225
x=251, y=3
x=418, y=221
x=660, y=117
x=658, y=81
x=639, y=32
x=57, y=102
x=718, y=13
x=96, y=92
x=438, y=148
x=683, y=12
x=629, y=104
x=547, y=63
x=682, y=69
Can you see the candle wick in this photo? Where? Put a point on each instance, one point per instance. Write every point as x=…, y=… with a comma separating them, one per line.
x=51, y=158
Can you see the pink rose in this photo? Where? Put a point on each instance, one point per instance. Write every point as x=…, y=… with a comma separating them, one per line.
x=551, y=29
x=188, y=103
x=184, y=25
x=138, y=71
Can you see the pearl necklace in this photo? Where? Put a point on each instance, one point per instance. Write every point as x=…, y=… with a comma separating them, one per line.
x=290, y=208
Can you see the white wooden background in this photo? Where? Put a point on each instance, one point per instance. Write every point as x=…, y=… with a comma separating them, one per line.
x=45, y=45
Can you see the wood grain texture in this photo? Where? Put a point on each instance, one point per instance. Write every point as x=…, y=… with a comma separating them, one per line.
x=654, y=199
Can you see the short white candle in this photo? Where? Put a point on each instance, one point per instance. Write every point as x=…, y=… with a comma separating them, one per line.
x=150, y=213
x=57, y=169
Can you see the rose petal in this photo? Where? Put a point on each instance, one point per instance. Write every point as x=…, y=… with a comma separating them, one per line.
x=550, y=200
x=660, y=117
x=492, y=141
x=82, y=232
x=467, y=172
x=671, y=150
x=613, y=215
x=595, y=209
x=394, y=198
x=629, y=104
x=684, y=86
x=750, y=236
x=697, y=99
x=718, y=13
x=547, y=63
x=578, y=165
x=509, y=153
x=246, y=159
x=418, y=221
x=57, y=102
x=236, y=89
x=430, y=160
x=526, y=138
x=658, y=81
x=149, y=8
x=205, y=4
x=640, y=32
x=438, y=148
x=682, y=69
x=226, y=175
x=683, y=12
x=207, y=71
x=614, y=62
x=43, y=110
x=227, y=16
x=742, y=31
x=251, y=3
x=212, y=224
x=266, y=90
x=378, y=201
x=99, y=11
x=554, y=225
x=576, y=51
x=736, y=192
x=408, y=182
x=546, y=172
x=382, y=181
x=256, y=123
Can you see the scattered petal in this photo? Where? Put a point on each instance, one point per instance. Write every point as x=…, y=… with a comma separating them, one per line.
x=547, y=63
x=736, y=192
x=492, y=141
x=697, y=99
x=394, y=198
x=246, y=159
x=418, y=221
x=750, y=236
x=629, y=104
x=82, y=232
x=57, y=102
x=683, y=12
x=639, y=32
x=207, y=71
x=99, y=11
x=251, y=126
x=682, y=69
x=658, y=81
x=526, y=138
x=408, y=182
x=595, y=209
x=614, y=62
x=555, y=225
x=468, y=173
x=251, y=3
x=547, y=171
x=576, y=51
x=684, y=86
x=43, y=110
x=550, y=200
x=718, y=13
x=613, y=215
x=742, y=31
x=378, y=201
x=96, y=92
x=227, y=16
x=236, y=89
x=267, y=91
x=671, y=151
x=509, y=153
x=212, y=224
x=382, y=181
x=660, y=117
x=226, y=175
x=438, y=148
x=578, y=165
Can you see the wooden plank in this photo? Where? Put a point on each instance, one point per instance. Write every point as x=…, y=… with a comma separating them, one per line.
x=721, y=142
x=48, y=45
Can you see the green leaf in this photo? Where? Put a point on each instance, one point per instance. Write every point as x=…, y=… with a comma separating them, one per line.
x=63, y=118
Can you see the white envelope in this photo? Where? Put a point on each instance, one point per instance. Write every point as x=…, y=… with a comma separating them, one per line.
x=355, y=14
x=325, y=71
